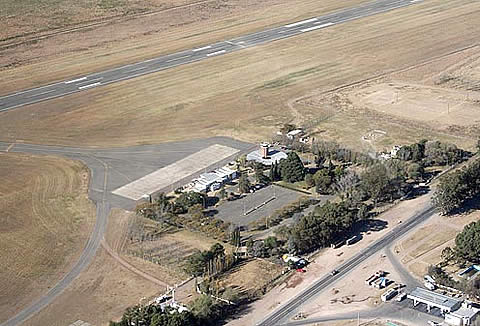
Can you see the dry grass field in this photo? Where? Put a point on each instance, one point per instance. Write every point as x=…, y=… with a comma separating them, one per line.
x=423, y=248
x=245, y=94
x=45, y=220
x=130, y=38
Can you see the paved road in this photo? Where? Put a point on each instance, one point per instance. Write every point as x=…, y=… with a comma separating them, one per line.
x=285, y=311
x=389, y=311
x=81, y=83
x=110, y=168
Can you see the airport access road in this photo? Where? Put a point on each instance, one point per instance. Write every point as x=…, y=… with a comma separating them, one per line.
x=281, y=314
x=90, y=81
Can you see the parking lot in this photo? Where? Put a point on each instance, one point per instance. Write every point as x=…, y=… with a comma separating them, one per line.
x=233, y=211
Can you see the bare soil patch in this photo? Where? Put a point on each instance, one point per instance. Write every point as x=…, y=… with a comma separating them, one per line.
x=45, y=221
x=438, y=107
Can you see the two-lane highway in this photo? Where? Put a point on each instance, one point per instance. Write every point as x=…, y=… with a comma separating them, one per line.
x=285, y=311
x=82, y=83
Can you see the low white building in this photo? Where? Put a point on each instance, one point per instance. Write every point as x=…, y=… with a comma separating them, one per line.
x=212, y=181
x=266, y=156
x=464, y=316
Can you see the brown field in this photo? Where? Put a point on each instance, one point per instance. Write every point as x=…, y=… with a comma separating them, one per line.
x=251, y=276
x=100, y=294
x=247, y=94
x=424, y=246
x=45, y=220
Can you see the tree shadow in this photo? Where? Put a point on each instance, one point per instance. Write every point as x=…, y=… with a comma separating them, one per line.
x=469, y=206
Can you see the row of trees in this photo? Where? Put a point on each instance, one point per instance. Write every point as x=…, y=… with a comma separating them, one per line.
x=431, y=153
x=209, y=262
x=325, y=225
x=203, y=311
x=458, y=187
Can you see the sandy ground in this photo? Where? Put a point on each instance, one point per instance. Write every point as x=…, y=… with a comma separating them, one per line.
x=45, y=221
x=233, y=94
x=323, y=263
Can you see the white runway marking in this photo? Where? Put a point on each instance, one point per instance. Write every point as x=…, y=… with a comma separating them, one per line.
x=216, y=53
x=316, y=27
x=301, y=22
x=179, y=58
x=75, y=80
x=201, y=49
x=89, y=85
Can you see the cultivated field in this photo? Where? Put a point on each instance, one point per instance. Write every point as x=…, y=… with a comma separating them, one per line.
x=246, y=94
x=45, y=220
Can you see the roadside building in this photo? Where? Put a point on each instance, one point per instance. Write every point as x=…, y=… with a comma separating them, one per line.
x=434, y=300
x=464, y=316
x=265, y=155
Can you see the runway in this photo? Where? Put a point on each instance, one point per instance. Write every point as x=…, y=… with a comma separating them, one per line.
x=82, y=83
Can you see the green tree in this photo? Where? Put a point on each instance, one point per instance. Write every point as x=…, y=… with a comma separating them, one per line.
x=217, y=250
x=205, y=309
x=467, y=242
x=243, y=183
x=292, y=169
x=309, y=181
x=323, y=180
x=415, y=171
x=260, y=177
x=187, y=200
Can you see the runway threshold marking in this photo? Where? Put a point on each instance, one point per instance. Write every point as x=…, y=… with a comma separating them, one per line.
x=203, y=48
x=216, y=53
x=75, y=80
x=90, y=85
x=301, y=22
x=316, y=27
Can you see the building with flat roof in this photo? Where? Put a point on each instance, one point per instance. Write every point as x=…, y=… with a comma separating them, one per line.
x=266, y=156
x=211, y=181
x=434, y=300
x=464, y=316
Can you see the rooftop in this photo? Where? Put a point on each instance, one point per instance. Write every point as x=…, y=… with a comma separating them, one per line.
x=465, y=312
x=435, y=299
x=274, y=156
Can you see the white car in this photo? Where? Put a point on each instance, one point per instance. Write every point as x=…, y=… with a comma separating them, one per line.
x=433, y=323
